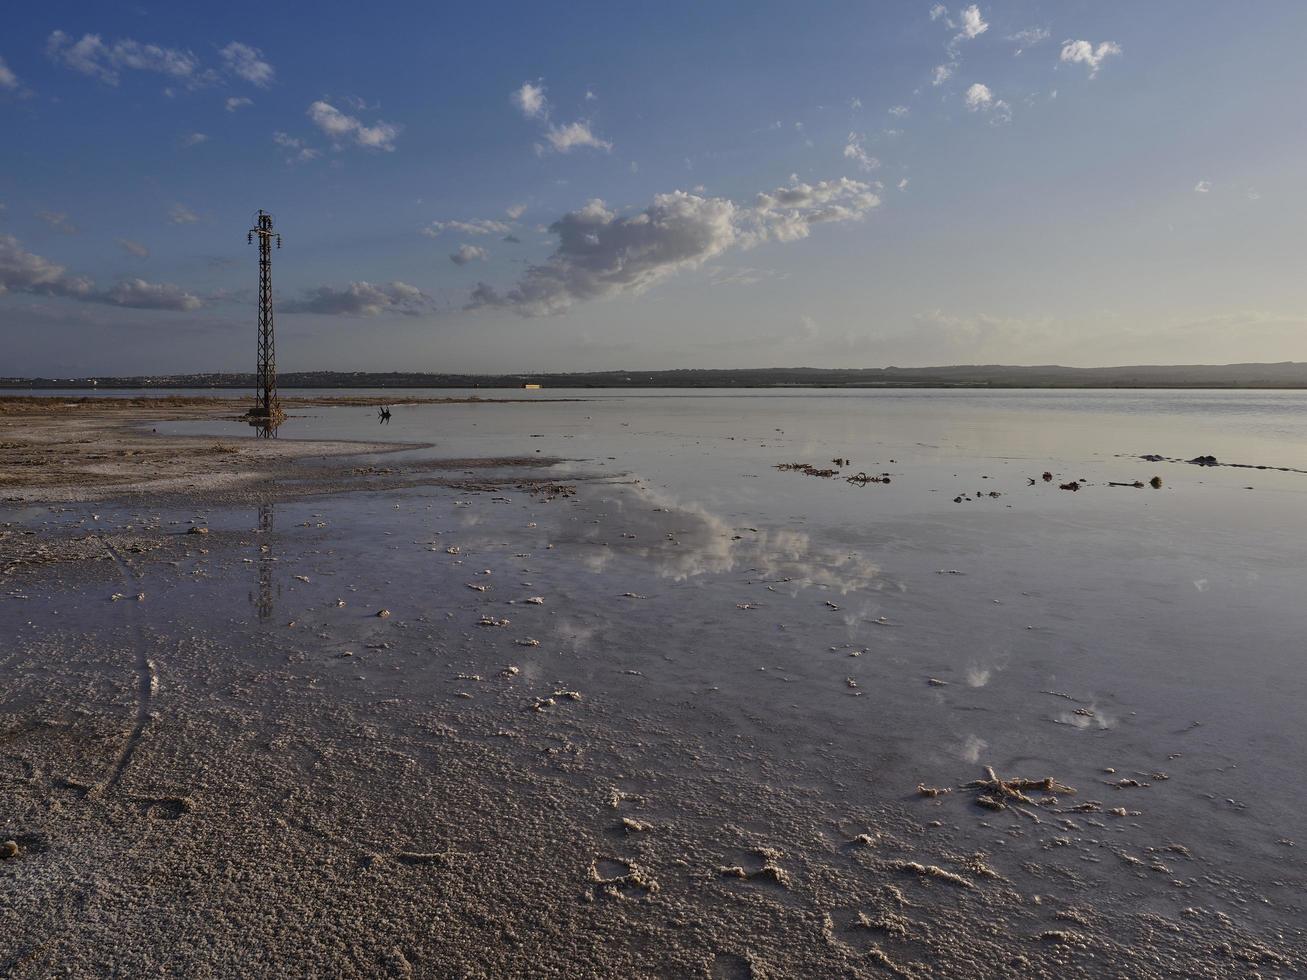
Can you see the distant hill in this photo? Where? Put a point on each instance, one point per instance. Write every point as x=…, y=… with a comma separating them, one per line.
x=1286, y=374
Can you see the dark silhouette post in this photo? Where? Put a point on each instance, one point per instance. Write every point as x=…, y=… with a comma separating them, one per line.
x=267, y=413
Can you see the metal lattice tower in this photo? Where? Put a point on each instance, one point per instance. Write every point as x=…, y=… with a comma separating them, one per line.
x=267, y=413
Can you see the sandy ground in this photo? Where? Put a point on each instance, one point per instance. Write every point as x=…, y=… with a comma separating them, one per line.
x=256, y=801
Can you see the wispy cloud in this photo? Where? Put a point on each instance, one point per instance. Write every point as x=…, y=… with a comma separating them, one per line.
x=342, y=128
x=476, y=226
x=92, y=57
x=532, y=102
x=565, y=138
x=192, y=139
x=134, y=248
x=180, y=214
x=1203, y=187
x=297, y=151
x=58, y=220
x=8, y=80
x=855, y=151
x=247, y=63
x=237, y=102
x=1028, y=38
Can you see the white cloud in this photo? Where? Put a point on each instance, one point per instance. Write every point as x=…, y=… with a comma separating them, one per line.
x=141, y=295
x=179, y=214
x=58, y=220
x=341, y=127
x=855, y=103
x=530, y=99
x=468, y=253
x=1028, y=38
x=246, y=62
x=8, y=80
x=602, y=254
x=91, y=56
x=192, y=139
x=1083, y=52
x=23, y=272
x=942, y=74
x=363, y=299
x=1203, y=187
x=515, y=211
x=899, y=111
x=235, y=103
x=134, y=248
x=590, y=96
x=938, y=11
x=564, y=139
x=973, y=25
x=1253, y=194
x=477, y=226
x=854, y=150
x=298, y=149
x=979, y=97
x=903, y=184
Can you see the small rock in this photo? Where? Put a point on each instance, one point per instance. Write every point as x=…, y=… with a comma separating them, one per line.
x=9, y=849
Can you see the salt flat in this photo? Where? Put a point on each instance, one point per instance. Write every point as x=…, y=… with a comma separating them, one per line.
x=714, y=745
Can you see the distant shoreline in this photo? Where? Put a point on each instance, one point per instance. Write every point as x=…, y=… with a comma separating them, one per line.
x=1287, y=375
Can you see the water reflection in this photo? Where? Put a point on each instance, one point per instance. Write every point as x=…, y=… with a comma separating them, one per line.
x=680, y=541
x=265, y=562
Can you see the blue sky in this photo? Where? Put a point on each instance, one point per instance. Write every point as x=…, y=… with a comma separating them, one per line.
x=512, y=187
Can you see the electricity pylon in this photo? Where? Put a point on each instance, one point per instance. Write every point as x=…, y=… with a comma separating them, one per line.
x=266, y=413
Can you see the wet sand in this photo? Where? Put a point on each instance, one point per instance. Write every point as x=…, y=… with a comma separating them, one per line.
x=219, y=758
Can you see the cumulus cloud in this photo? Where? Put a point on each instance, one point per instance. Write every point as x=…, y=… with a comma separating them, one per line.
x=180, y=214
x=564, y=139
x=192, y=139
x=22, y=271
x=899, y=111
x=903, y=184
x=973, y=24
x=515, y=211
x=1203, y=187
x=91, y=56
x=530, y=100
x=938, y=11
x=1082, y=52
x=854, y=150
x=363, y=299
x=134, y=248
x=341, y=128
x=979, y=97
x=8, y=80
x=468, y=253
x=477, y=226
x=602, y=254
x=246, y=62
x=942, y=74
x=236, y=102
x=58, y=220
x=296, y=148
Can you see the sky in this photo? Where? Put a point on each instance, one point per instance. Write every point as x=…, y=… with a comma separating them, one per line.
x=528, y=187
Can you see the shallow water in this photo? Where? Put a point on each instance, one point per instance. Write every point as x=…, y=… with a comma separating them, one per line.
x=692, y=585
